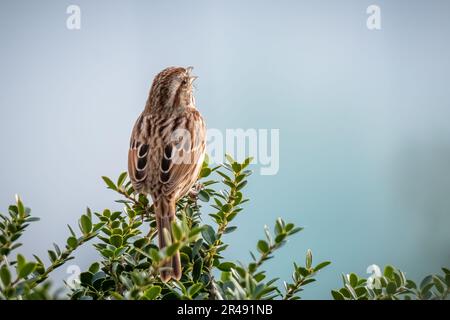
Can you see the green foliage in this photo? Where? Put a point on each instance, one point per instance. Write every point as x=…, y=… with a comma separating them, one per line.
x=22, y=278
x=393, y=285
x=129, y=261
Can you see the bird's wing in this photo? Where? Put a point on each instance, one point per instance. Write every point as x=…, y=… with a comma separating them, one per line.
x=138, y=156
x=183, y=156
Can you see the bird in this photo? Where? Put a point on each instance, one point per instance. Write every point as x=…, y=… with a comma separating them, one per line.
x=166, y=152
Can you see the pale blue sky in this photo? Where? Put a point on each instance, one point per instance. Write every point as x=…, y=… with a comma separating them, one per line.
x=364, y=117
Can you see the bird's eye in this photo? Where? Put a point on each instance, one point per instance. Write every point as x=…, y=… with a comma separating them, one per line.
x=183, y=82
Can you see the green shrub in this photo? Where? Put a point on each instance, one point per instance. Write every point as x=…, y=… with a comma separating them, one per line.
x=129, y=263
x=393, y=285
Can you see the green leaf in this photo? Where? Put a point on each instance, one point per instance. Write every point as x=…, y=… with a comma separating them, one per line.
x=194, y=289
x=241, y=185
x=353, y=280
x=107, y=253
x=155, y=255
x=279, y=226
x=86, y=278
x=114, y=231
x=205, y=172
x=85, y=224
x=5, y=275
x=439, y=284
x=27, y=269
x=94, y=268
x=229, y=229
x=303, y=271
x=252, y=267
x=289, y=227
x=176, y=230
x=203, y=196
x=263, y=246
x=280, y=238
x=259, y=276
x=97, y=279
x=308, y=259
x=337, y=295
x=426, y=281
x=321, y=265
x=295, y=230
x=388, y=272
x=15, y=246
x=116, y=240
x=20, y=261
x=360, y=291
x=170, y=250
x=194, y=231
x=236, y=167
x=167, y=236
x=71, y=231
x=426, y=288
x=345, y=293
x=115, y=215
x=196, y=247
x=108, y=285
x=229, y=158
x=119, y=251
x=447, y=280
x=308, y=281
x=52, y=256
x=20, y=206
x=247, y=162
x=411, y=284
x=197, y=269
x=352, y=292
x=109, y=183
x=223, y=175
x=209, y=234
x=226, y=266
x=398, y=279
x=72, y=242
x=229, y=183
x=121, y=179
x=152, y=293
x=232, y=215
x=391, y=287
x=227, y=207
x=239, y=178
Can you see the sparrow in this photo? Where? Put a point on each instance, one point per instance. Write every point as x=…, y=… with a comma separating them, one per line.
x=167, y=149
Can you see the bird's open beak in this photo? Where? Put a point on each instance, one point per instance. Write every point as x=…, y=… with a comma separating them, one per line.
x=192, y=78
x=189, y=69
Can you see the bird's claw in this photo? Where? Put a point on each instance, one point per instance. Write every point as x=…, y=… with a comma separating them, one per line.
x=196, y=188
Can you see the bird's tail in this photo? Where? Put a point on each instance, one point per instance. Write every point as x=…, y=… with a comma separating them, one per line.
x=165, y=215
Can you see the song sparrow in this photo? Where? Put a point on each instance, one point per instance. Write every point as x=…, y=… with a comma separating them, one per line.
x=167, y=149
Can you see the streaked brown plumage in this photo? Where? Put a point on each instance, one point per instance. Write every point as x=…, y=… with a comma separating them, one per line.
x=167, y=148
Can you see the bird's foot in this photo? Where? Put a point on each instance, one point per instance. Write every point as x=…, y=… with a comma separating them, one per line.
x=196, y=188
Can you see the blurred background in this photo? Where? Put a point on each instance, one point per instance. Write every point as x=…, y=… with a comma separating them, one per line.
x=364, y=118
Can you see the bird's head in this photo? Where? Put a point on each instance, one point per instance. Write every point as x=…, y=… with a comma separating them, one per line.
x=172, y=88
